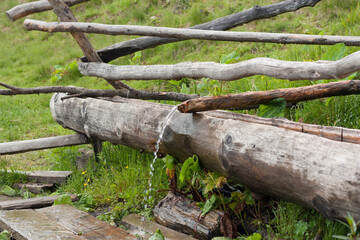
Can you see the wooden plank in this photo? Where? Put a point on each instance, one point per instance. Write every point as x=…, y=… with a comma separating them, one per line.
x=42, y=143
x=32, y=202
x=52, y=177
x=56, y=177
x=26, y=9
x=28, y=224
x=310, y=170
x=35, y=187
x=80, y=222
x=139, y=225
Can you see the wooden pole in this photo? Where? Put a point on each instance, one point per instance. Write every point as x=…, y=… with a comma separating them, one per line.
x=26, y=9
x=310, y=170
x=291, y=70
x=291, y=95
x=282, y=38
x=42, y=143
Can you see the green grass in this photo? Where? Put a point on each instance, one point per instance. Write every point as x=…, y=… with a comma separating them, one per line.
x=120, y=180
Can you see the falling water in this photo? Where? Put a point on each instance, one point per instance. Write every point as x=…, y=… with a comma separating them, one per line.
x=157, y=147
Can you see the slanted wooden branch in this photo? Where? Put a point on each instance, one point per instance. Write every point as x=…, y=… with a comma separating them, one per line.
x=291, y=95
x=66, y=15
x=291, y=70
x=26, y=9
x=221, y=24
x=42, y=143
x=84, y=92
x=283, y=38
x=310, y=170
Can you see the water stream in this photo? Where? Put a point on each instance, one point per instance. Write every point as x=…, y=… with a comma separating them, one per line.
x=157, y=147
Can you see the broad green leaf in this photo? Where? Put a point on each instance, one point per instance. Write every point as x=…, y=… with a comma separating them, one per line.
x=169, y=161
x=229, y=58
x=9, y=191
x=254, y=236
x=300, y=228
x=274, y=108
x=5, y=235
x=209, y=204
x=247, y=197
x=188, y=168
x=157, y=236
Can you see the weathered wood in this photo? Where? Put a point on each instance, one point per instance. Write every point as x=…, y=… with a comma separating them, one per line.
x=221, y=24
x=185, y=34
x=32, y=202
x=82, y=223
x=51, y=177
x=310, y=170
x=42, y=143
x=85, y=92
x=26, y=9
x=35, y=187
x=291, y=95
x=28, y=224
x=181, y=214
x=141, y=226
x=291, y=70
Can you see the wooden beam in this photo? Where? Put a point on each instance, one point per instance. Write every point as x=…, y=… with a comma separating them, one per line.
x=184, y=34
x=42, y=143
x=221, y=24
x=310, y=170
x=26, y=9
x=291, y=70
x=291, y=95
x=38, y=202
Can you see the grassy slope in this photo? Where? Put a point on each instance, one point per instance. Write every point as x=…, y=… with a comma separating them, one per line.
x=27, y=59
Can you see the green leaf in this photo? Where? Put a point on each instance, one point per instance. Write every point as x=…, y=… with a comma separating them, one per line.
x=247, y=197
x=184, y=89
x=8, y=191
x=137, y=56
x=157, y=236
x=169, y=161
x=300, y=228
x=209, y=204
x=5, y=235
x=63, y=199
x=175, y=82
x=190, y=166
x=334, y=52
x=274, y=108
x=254, y=236
x=229, y=58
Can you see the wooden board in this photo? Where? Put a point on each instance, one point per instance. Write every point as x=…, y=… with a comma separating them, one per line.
x=27, y=224
x=32, y=202
x=58, y=222
x=52, y=177
x=80, y=222
x=139, y=225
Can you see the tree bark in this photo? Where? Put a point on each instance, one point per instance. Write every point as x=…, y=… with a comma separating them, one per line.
x=291, y=70
x=221, y=24
x=283, y=38
x=26, y=9
x=291, y=95
x=42, y=143
x=313, y=171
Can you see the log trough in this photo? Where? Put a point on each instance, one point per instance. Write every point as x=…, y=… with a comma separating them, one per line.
x=310, y=170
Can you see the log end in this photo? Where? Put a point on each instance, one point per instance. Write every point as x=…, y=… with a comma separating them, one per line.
x=10, y=15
